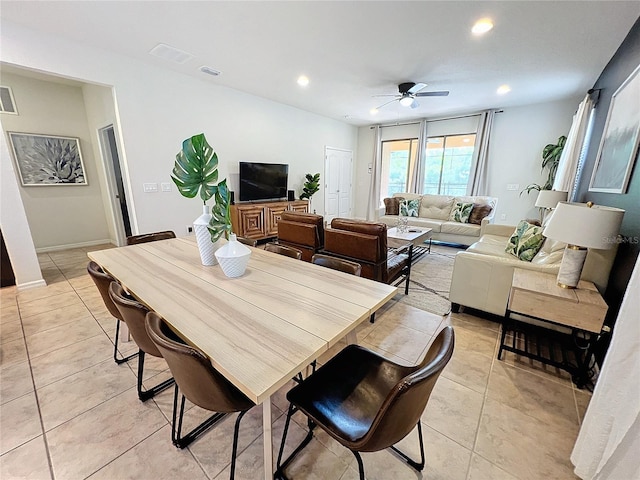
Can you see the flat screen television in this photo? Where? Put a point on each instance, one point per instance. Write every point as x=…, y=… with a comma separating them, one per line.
x=263, y=181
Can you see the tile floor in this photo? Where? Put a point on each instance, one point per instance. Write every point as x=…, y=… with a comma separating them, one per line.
x=69, y=412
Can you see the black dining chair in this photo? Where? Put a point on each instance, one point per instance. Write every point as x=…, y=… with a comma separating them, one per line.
x=366, y=402
x=133, y=314
x=102, y=281
x=198, y=381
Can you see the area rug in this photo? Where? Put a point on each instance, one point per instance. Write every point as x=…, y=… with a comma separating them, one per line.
x=430, y=281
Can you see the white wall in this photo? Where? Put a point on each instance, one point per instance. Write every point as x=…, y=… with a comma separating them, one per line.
x=58, y=215
x=100, y=107
x=515, y=153
x=15, y=228
x=159, y=108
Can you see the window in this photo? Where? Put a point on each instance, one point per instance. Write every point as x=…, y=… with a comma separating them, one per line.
x=448, y=163
x=398, y=163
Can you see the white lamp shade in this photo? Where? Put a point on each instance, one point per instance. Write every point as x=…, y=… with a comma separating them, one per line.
x=550, y=198
x=584, y=226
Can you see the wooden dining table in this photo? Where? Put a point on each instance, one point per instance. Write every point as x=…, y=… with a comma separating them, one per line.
x=259, y=330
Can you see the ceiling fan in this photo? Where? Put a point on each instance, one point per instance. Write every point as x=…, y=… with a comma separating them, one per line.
x=408, y=92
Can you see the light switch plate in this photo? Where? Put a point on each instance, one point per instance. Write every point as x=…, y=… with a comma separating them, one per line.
x=166, y=186
x=513, y=186
x=150, y=187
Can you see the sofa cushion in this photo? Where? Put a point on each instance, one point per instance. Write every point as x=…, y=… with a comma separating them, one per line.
x=479, y=211
x=493, y=245
x=436, y=206
x=476, y=199
x=525, y=241
x=457, y=228
x=409, y=208
x=407, y=195
x=460, y=212
x=551, y=253
x=392, y=205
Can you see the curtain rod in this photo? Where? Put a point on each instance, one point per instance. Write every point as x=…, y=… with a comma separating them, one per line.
x=431, y=120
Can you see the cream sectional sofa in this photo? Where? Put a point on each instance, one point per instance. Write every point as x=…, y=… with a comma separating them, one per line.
x=434, y=213
x=482, y=274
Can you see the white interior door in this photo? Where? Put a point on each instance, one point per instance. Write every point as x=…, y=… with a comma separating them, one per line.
x=337, y=187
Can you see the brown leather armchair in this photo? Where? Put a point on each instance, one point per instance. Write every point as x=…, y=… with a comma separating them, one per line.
x=304, y=231
x=366, y=243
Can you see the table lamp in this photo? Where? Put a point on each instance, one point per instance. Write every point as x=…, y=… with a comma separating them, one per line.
x=581, y=226
x=548, y=199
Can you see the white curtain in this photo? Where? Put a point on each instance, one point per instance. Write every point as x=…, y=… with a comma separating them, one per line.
x=573, y=147
x=479, y=179
x=376, y=171
x=608, y=445
x=417, y=176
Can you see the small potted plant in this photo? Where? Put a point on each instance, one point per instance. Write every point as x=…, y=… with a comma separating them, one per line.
x=196, y=172
x=311, y=186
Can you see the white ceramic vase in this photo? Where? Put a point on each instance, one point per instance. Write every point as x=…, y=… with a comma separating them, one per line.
x=233, y=257
x=205, y=245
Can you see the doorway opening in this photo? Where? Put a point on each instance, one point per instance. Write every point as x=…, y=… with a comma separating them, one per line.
x=109, y=147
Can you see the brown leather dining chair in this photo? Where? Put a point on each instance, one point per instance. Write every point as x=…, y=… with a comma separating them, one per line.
x=133, y=314
x=366, y=402
x=198, y=381
x=247, y=241
x=102, y=281
x=337, y=264
x=283, y=250
x=150, y=237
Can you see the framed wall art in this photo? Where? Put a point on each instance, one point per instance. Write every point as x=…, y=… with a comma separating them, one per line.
x=47, y=160
x=619, y=145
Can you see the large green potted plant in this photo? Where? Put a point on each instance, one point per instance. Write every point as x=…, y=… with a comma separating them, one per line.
x=550, y=159
x=195, y=172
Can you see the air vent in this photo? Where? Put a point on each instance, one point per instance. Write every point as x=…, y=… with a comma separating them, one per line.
x=170, y=53
x=7, y=103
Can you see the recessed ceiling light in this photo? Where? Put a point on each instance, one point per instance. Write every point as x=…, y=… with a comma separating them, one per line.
x=482, y=26
x=209, y=71
x=303, y=80
x=373, y=111
x=502, y=89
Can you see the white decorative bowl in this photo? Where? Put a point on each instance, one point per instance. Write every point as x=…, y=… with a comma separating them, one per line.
x=233, y=257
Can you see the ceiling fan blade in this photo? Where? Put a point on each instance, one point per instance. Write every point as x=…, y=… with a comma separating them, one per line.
x=441, y=93
x=416, y=88
x=414, y=104
x=386, y=103
x=387, y=95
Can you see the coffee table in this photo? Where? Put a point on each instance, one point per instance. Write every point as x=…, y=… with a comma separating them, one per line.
x=414, y=235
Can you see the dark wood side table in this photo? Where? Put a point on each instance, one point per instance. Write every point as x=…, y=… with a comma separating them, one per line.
x=579, y=313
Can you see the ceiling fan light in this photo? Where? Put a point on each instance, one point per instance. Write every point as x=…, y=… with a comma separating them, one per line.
x=406, y=101
x=482, y=26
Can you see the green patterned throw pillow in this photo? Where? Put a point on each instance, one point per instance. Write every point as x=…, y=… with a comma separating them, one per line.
x=525, y=241
x=461, y=212
x=409, y=208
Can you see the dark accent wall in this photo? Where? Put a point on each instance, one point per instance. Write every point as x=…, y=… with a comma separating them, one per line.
x=621, y=65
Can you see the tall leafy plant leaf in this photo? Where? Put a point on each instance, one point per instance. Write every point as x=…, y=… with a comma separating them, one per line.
x=196, y=168
x=220, y=223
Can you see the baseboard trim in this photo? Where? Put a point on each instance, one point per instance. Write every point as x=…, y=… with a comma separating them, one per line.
x=75, y=245
x=34, y=284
